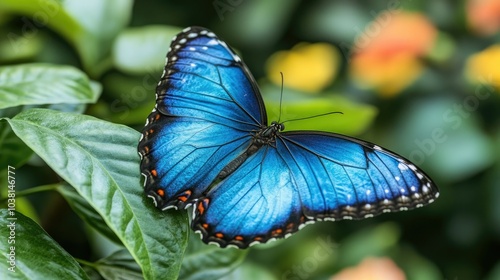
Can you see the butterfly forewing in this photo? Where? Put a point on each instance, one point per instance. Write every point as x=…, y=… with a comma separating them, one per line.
x=206, y=108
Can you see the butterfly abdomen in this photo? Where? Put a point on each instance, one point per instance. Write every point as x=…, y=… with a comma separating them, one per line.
x=238, y=161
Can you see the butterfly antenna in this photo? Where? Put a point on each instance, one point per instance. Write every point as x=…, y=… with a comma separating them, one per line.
x=281, y=95
x=299, y=119
x=315, y=116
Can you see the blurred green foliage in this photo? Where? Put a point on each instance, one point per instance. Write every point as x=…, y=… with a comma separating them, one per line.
x=103, y=58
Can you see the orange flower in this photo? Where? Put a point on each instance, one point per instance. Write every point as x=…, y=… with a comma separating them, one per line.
x=386, y=55
x=483, y=67
x=372, y=269
x=484, y=16
x=306, y=67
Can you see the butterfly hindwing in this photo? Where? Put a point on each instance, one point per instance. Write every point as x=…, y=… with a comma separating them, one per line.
x=206, y=107
x=252, y=205
x=340, y=177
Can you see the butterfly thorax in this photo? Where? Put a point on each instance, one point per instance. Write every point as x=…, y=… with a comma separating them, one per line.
x=265, y=136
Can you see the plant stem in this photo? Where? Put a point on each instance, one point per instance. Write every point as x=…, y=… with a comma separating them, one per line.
x=33, y=190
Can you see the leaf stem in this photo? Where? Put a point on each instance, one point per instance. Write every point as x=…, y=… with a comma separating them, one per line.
x=84, y=262
x=43, y=188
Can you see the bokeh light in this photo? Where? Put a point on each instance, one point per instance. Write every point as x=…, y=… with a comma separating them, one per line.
x=306, y=67
x=386, y=55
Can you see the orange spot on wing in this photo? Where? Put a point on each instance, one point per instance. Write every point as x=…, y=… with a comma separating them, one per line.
x=277, y=232
x=157, y=117
x=205, y=226
x=200, y=208
x=160, y=192
x=184, y=196
x=154, y=173
x=202, y=205
x=219, y=235
x=238, y=238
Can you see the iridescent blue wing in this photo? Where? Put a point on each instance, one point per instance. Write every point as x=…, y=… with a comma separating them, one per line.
x=340, y=177
x=306, y=177
x=207, y=105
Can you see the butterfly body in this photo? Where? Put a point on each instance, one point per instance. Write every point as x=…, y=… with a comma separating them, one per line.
x=265, y=136
x=207, y=144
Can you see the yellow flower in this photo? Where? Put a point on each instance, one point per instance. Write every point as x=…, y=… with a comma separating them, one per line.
x=372, y=269
x=386, y=55
x=306, y=67
x=484, y=67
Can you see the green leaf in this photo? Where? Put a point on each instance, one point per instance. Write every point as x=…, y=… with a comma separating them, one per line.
x=142, y=50
x=14, y=151
x=130, y=98
x=494, y=272
x=30, y=84
x=370, y=241
x=90, y=26
x=119, y=265
x=85, y=211
x=249, y=22
x=30, y=246
x=355, y=117
x=329, y=20
x=251, y=271
x=430, y=133
x=417, y=266
x=99, y=159
x=16, y=47
x=444, y=48
x=205, y=262
x=101, y=21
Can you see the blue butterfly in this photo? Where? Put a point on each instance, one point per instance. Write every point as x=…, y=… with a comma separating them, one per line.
x=207, y=144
